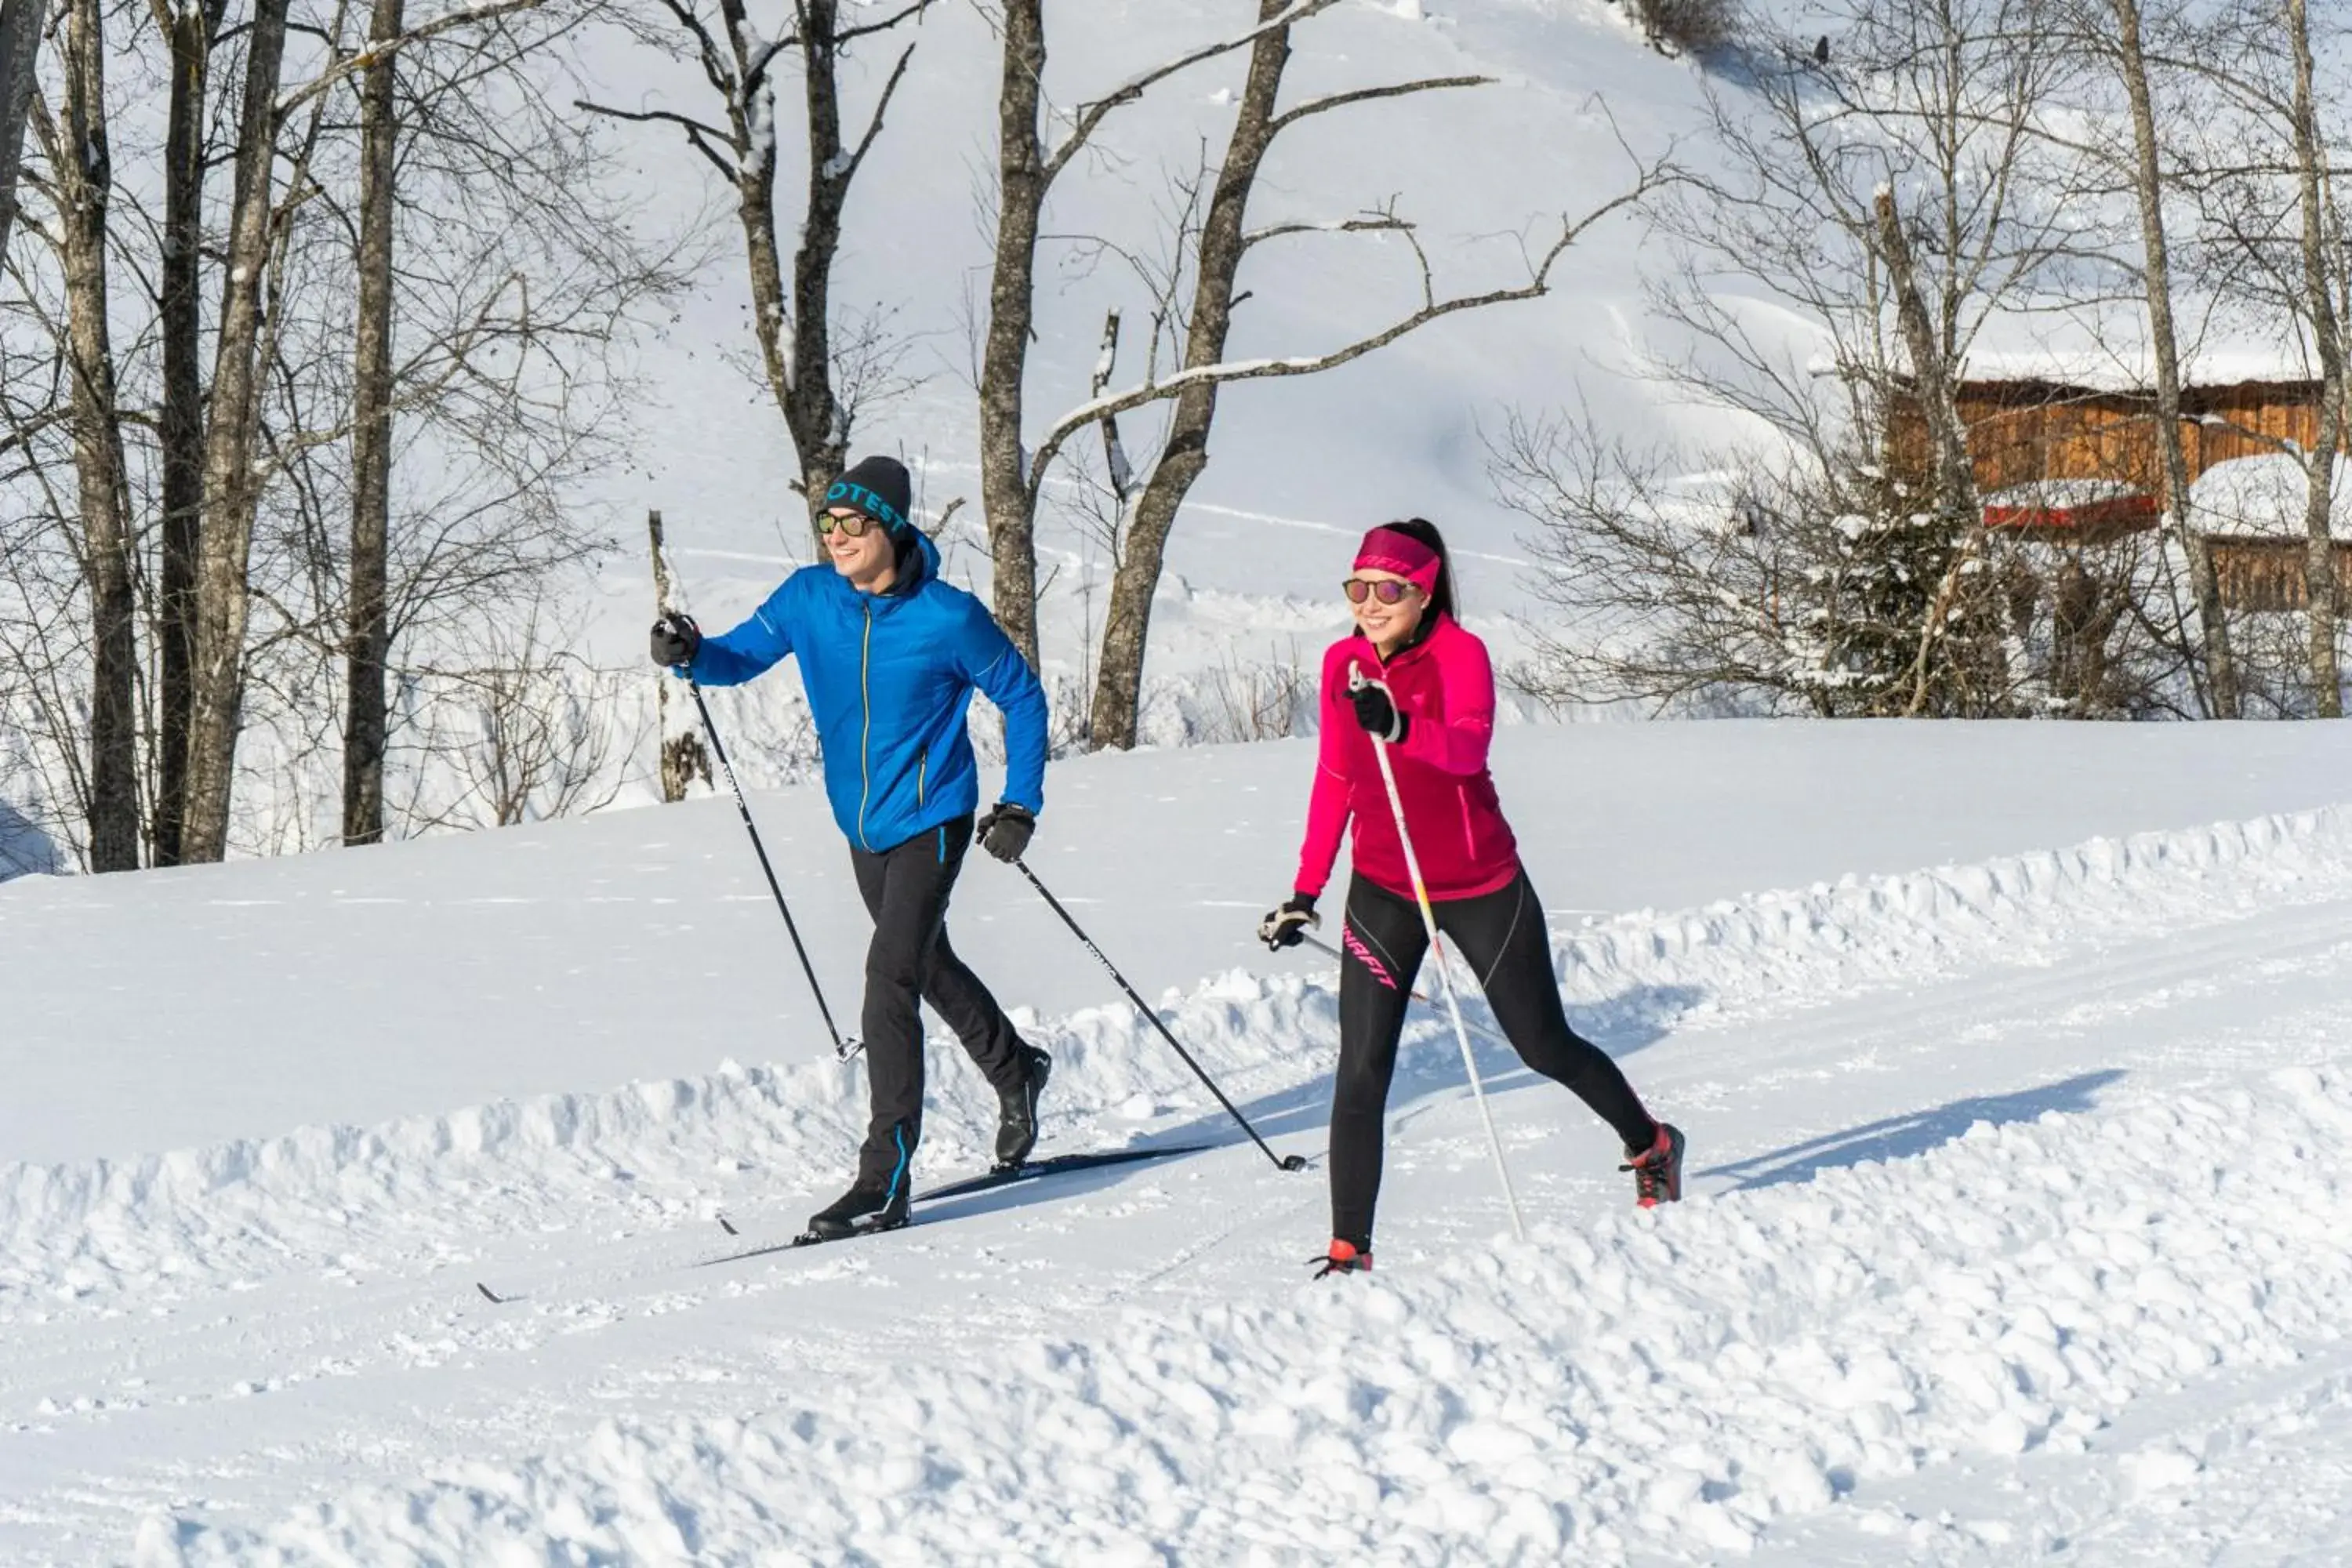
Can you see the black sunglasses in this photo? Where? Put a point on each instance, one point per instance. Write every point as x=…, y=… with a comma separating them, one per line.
x=1389, y=590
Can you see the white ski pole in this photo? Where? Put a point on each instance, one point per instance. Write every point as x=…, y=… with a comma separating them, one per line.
x=1356, y=681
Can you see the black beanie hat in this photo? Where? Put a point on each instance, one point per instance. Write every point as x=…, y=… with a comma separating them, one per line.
x=879, y=487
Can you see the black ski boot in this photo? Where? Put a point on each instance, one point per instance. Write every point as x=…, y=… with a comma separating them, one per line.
x=877, y=1199
x=1016, y=1127
x=1658, y=1169
x=868, y=1206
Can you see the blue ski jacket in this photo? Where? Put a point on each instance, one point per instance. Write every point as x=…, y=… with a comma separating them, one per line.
x=890, y=676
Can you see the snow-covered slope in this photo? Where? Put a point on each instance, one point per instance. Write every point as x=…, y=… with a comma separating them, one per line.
x=2013, y=1188
x=1299, y=468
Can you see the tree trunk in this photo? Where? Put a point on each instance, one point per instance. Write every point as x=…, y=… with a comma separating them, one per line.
x=83, y=168
x=820, y=433
x=684, y=759
x=230, y=483
x=2219, y=668
x=1956, y=485
x=369, y=634
x=20, y=43
x=2326, y=333
x=1004, y=480
x=1127, y=627
x=796, y=333
x=755, y=209
x=191, y=33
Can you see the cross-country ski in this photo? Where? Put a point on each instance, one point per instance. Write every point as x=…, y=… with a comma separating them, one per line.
x=1002, y=1176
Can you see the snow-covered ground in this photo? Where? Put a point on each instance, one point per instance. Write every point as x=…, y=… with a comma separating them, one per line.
x=2019, y=1116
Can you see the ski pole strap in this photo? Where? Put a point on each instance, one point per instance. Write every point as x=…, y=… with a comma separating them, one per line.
x=845, y=1049
x=1281, y=1161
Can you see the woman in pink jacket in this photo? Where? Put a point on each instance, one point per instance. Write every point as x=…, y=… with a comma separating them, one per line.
x=1428, y=691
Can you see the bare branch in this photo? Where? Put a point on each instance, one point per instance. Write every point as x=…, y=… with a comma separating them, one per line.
x=1367, y=94
x=874, y=126
x=1090, y=115
x=289, y=103
x=1433, y=309
x=1381, y=224
x=694, y=128
x=851, y=35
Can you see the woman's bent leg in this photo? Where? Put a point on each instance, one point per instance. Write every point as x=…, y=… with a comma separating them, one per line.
x=1502, y=937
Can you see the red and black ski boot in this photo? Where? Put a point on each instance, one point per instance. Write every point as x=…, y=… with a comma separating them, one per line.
x=1658, y=1169
x=1345, y=1257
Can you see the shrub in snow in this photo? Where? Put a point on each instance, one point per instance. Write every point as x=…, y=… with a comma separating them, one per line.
x=1684, y=26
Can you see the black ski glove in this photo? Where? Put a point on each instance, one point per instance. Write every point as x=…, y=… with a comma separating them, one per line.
x=1377, y=712
x=674, y=640
x=1004, y=832
x=1288, y=926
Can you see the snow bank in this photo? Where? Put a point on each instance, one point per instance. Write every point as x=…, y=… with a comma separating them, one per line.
x=1670, y=1381
x=656, y=1153
x=2263, y=497
x=1864, y=932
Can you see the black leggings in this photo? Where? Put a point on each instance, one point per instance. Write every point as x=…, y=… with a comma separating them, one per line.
x=1501, y=935
x=905, y=888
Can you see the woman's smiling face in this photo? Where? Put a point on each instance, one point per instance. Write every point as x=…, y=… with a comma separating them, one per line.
x=1387, y=623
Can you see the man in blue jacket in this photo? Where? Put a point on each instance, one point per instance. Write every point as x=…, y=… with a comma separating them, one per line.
x=891, y=656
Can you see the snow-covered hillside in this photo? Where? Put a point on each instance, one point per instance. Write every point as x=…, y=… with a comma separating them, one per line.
x=2014, y=1188
x=1300, y=468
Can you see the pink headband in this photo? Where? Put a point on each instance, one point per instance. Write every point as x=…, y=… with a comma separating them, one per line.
x=1386, y=549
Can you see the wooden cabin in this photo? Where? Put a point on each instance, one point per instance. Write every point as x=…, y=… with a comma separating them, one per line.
x=2025, y=432
x=2270, y=574
x=2083, y=466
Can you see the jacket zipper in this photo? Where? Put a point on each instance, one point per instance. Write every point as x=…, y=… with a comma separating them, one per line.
x=923, y=771
x=865, y=738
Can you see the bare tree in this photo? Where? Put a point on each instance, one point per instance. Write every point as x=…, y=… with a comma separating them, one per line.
x=1222, y=244
x=232, y=416
x=1892, y=205
x=1029, y=162
x=191, y=29
x=816, y=380
x=538, y=747
x=20, y=38
x=2124, y=49
x=1956, y=505
x=2320, y=282
x=247, y=370
x=80, y=162
x=369, y=630
x=2264, y=180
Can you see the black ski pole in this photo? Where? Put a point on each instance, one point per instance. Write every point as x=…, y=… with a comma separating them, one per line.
x=842, y=1048
x=1281, y=1161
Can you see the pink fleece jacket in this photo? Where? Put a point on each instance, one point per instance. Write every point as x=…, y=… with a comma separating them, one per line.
x=1444, y=685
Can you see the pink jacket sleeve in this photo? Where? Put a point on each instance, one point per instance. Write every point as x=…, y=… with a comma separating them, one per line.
x=1327, y=809
x=1459, y=745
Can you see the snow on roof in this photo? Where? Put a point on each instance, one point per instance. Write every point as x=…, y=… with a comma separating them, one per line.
x=2264, y=497
x=2109, y=351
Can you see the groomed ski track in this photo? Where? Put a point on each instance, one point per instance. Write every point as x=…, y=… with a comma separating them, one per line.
x=1992, y=1166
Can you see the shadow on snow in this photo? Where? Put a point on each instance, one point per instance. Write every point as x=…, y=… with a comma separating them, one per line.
x=1914, y=1132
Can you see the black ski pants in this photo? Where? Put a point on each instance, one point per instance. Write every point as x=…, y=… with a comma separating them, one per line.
x=905, y=888
x=1502, y=938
